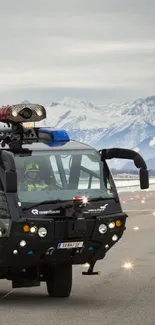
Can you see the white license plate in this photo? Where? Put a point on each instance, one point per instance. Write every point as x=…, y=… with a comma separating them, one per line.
x=70, y=245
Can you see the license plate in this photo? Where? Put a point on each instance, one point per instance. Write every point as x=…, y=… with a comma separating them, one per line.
x=70, y=245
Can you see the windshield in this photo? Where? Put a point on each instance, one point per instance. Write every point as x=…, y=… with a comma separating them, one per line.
x=60, y=175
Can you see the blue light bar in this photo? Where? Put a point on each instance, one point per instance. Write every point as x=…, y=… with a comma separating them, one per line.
x=53, y=135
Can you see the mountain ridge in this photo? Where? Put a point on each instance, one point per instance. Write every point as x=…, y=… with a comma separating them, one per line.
x=128, y=124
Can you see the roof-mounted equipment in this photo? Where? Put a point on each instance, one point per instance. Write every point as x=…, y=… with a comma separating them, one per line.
x=15, y=134
x=22, y=113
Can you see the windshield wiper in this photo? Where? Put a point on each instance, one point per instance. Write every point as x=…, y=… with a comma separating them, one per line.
x=46, y=202
x=99, y=198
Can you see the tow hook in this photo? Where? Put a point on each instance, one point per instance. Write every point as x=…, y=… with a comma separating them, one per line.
x=50, y=251
x=79, y=250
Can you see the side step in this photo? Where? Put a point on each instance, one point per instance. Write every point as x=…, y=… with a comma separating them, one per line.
x=24, y=283
x=90, y=270
x=90, y=273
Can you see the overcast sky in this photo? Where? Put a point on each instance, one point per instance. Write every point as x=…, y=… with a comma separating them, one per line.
x=98, y=50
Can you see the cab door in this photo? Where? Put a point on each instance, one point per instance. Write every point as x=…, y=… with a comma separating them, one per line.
x=8, y=183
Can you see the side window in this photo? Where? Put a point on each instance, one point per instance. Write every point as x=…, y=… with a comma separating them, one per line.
x=108, y=179
x=87, y=179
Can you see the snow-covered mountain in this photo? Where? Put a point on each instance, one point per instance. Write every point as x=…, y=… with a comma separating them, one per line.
x=130, y=124
x=147, y=150
x=126, y=124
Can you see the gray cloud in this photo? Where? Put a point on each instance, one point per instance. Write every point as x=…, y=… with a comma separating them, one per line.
x=78, y=44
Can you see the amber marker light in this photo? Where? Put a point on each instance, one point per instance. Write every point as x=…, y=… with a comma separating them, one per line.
x=118, y=223
x=26, y=228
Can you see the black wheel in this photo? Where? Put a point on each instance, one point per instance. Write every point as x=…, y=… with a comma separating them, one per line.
x=59, y=282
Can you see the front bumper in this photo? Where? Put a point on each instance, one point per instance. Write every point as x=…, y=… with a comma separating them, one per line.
x=42, y=251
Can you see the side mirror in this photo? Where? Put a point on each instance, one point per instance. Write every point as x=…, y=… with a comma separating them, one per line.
x=139, y=162
x=10, y=181
x=144, y=179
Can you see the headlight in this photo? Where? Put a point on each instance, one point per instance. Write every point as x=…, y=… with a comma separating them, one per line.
x=14, y=113
x=33, y=229
x=112, y=225
x=39, y=112
x=102, y=229
x=42, y=232
x=22, y=243
x=15, y=252
x=114, y=237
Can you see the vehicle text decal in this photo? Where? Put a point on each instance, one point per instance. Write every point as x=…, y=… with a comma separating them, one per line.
x=35, y=211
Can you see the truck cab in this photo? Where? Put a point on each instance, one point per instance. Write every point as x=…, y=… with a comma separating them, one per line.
x=59, y=205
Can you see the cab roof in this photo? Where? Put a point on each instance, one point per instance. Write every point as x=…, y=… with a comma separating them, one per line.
x=70, y=145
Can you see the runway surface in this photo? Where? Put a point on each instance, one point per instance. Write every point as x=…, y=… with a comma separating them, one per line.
x=118, y=296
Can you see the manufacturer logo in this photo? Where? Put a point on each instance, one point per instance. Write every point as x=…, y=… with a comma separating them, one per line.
x=104, y=207
x=36, y=212
x=100, y=209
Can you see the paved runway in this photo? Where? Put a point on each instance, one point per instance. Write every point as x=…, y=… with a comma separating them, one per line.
x=118, y=296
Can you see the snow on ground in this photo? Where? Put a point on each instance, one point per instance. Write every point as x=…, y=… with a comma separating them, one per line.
x=135, y=189
x=134, y=185
x=129, y=183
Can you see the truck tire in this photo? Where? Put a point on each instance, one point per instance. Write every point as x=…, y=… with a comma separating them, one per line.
x=59, y=283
